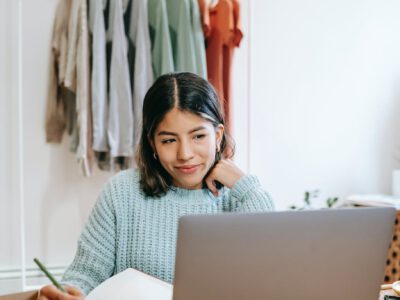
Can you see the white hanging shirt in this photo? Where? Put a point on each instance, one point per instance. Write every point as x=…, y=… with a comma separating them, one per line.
x=142, y=68
x=99, y=75
x=120, y=118
x=84, y=150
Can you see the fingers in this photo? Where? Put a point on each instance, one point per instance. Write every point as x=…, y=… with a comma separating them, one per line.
x=73, y=291
x=210, y=184
x=212, y=187
x=50, y=292
x=41, y=297
x=226, y=173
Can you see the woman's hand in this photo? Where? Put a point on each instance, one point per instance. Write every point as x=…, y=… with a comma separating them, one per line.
x=50, y=292
x=225, y=172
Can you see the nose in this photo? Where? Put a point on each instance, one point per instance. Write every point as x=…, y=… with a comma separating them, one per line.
x=184, y=151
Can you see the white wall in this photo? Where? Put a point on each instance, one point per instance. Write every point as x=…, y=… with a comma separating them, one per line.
x=8, y=205
x=316, y=78
x=325, y=102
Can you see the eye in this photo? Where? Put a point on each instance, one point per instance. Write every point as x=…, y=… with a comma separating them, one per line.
x=199, y=136
x=168, y=141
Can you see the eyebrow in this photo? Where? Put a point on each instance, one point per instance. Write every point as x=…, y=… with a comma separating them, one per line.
x=175, y=134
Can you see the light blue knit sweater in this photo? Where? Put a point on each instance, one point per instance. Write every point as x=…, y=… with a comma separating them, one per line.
x=126, y=229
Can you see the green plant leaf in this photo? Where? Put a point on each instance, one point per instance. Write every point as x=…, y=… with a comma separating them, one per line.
x=331, y=201
x=307, y=198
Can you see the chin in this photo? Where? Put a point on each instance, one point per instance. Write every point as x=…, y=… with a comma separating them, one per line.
x=191, y=185
x=195, y=184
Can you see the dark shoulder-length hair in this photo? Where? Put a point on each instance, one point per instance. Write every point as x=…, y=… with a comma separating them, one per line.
x=187, y=92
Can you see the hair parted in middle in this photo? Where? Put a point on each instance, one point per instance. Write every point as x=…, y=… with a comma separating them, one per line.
x=187, y=92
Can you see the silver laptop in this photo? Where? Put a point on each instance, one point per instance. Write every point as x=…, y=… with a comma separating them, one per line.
x=326, y=254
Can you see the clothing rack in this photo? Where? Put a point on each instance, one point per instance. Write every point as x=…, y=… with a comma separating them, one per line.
x=19, y=112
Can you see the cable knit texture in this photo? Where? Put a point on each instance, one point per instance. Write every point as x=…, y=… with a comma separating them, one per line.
x=126, y=229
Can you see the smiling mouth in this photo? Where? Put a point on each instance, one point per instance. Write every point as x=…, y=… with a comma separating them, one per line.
x=188, y=169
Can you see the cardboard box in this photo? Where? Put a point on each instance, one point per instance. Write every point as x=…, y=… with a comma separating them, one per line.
x=20, y=296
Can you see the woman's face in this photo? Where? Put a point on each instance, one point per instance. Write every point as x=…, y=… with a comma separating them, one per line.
x=185, y=145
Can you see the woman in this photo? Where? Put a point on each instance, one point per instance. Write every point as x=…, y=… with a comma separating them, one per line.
x=183, y=168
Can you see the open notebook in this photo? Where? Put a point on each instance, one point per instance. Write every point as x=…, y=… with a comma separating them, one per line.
x=132, y=284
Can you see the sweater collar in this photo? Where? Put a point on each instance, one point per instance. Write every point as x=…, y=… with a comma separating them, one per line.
x=194, y=196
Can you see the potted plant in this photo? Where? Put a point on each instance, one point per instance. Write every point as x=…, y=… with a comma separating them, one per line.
x=307, y=201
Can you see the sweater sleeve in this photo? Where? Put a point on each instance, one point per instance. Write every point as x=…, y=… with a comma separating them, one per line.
x=247, y=195
x=94, y=260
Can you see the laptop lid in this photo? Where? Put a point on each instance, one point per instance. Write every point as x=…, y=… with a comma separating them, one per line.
x=292, y=255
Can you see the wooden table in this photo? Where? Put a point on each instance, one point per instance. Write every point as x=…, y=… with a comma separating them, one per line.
x=20, y=296
x=32, y=295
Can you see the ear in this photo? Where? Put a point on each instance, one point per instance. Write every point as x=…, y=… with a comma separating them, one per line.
x=219, y=133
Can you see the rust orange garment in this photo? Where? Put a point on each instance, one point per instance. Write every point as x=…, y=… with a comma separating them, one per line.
x=225, y=34
x=205, y=17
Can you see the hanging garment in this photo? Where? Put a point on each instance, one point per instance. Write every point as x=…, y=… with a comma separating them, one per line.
x=73, y=34
x=161, y=50
x=99, y=75
x=228, y=58
x=225, y=35
x=238, y=31
x=205, y=17
x=70, y=73
x=58, y=98
x=198, y=39
x=84, y=152
x=142, y=69
x=120, y=118
x=187, y=39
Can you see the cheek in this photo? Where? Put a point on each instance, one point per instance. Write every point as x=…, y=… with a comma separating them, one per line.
x=207, y=152
x=165, y=153
x=166, y=158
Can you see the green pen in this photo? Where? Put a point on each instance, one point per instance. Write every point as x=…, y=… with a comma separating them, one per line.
x=47, y=273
